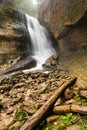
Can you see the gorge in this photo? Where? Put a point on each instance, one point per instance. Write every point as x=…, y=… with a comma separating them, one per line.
x=37, y=57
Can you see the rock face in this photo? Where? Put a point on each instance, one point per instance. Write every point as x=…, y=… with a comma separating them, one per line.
x=13, y=37
x=67, y=20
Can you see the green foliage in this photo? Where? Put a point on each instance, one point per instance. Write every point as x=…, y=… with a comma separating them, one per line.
x=83, y=127
x=19, y=115
x=9, y=129
x=47, y=127
x=2, y=12
x=51, y=127
x=66, y=119
x=63, y=121
x=80, y=99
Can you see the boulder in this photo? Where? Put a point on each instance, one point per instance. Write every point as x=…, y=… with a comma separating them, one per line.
x=26, y=63
x=66, y=19
x=51, y=63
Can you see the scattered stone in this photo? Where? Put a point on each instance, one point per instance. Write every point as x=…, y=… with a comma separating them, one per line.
x=73, y=127
x=28, y=92
x=68, y=94
x=1, y=96
x=16, y=125
x=52, y=118
x=83, y=93
x=58, y=102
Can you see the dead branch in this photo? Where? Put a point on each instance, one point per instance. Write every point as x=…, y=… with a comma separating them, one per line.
x=43, y=112
x=70, y=108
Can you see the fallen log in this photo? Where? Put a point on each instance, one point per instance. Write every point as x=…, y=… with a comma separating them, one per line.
x=70, y=108
x=43, y=112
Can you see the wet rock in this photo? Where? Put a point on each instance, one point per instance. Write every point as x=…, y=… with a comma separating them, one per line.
x=51, y=63
x=26, y=63
x=83, y=93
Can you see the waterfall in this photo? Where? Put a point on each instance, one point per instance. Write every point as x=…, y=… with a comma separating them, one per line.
x=41, y=42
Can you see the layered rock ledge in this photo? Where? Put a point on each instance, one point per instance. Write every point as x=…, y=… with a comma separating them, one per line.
x=14, y=42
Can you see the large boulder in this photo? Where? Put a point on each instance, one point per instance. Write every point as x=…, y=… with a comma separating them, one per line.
x=67, y=20
x=26, y=63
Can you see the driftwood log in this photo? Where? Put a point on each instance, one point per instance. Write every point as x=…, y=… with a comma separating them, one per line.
x=70, y=108
x=43, y=112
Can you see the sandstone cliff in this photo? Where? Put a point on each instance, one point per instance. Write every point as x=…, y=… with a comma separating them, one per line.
x=13, y=36
x=67, y=20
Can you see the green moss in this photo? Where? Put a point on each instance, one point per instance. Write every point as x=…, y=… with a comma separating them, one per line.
x=19, y=115
x=80, y=99
x=9, y=128
x=53, y=127
x=66, y=119
x=6, y=13
x=83, y=127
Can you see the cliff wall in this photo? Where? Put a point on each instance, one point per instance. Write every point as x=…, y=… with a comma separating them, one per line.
x=67, y=20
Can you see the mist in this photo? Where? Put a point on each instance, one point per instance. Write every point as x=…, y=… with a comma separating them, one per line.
x=30, y=7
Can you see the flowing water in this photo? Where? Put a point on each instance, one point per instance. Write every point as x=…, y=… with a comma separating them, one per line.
x=41, y=42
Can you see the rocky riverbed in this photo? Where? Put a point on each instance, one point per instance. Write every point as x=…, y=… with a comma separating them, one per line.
x=21, y=95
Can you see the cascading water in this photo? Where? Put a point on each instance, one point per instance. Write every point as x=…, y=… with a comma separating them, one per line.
x=41, y=43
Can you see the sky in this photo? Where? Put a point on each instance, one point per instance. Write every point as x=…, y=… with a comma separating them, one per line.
x=34, y=2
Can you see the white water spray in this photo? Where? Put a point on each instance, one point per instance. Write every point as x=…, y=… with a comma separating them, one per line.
x=41, y=43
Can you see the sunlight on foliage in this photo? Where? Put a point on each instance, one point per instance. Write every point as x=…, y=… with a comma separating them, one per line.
x=66, y=119
x=19, y=115
x=83, y=128
x=80, y=99
x=9, y=129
